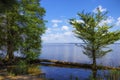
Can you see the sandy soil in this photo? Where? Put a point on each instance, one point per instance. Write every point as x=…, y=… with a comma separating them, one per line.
x=22, y=77
x=5, y=76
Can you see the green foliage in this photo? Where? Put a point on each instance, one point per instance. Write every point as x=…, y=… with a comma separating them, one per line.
x=20, y=69
x=34, y=70
x=33, y=28
x=10, y=31
x=6, y=5
x=21, y=29
x=95, y=35
x=106, y=75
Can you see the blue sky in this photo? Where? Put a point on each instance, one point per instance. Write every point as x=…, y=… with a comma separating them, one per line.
x=58, y=12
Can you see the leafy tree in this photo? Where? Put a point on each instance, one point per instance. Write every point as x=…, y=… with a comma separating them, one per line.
x=95, y=34
x=21, y=29
x=6, y=5
x=33, y=28
x=10, y=31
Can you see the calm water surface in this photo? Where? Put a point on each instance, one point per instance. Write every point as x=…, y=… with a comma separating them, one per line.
x=73, y=53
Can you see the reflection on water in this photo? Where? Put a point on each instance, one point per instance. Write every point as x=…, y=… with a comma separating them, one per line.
x=58, y=73
x=105, y=75
x=72, y=53
x=64, y=52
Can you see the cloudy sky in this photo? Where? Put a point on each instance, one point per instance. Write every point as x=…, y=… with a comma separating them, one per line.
x=58, y=13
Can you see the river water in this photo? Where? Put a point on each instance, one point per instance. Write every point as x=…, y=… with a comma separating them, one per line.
x=73, y=53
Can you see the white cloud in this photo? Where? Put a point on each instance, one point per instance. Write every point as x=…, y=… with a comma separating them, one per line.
x=57, y=35
x=69, y=33
x=61, y=34
x=80, y=21
x=55, y=22
x=118, y=21
x=66, y=37
x=48, y=30
x=55, y=25
x=100, y=8
x=66, y=28
x=109, y=20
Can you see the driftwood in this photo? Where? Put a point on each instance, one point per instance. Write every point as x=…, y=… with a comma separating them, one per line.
x=60, y=64
x=71, y=64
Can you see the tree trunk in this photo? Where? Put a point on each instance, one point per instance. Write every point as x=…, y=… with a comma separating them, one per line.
x=94, y=62
x=94, y=73
x=94, y=59
x=9, y=55
x=94, y=68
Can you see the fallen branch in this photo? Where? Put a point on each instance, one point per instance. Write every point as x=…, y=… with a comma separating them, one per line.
x=71, y=64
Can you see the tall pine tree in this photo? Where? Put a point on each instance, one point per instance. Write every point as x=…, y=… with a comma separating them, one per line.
x=95, y=35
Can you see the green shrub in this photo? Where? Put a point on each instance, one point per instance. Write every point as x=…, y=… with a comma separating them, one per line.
x=20, y=69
